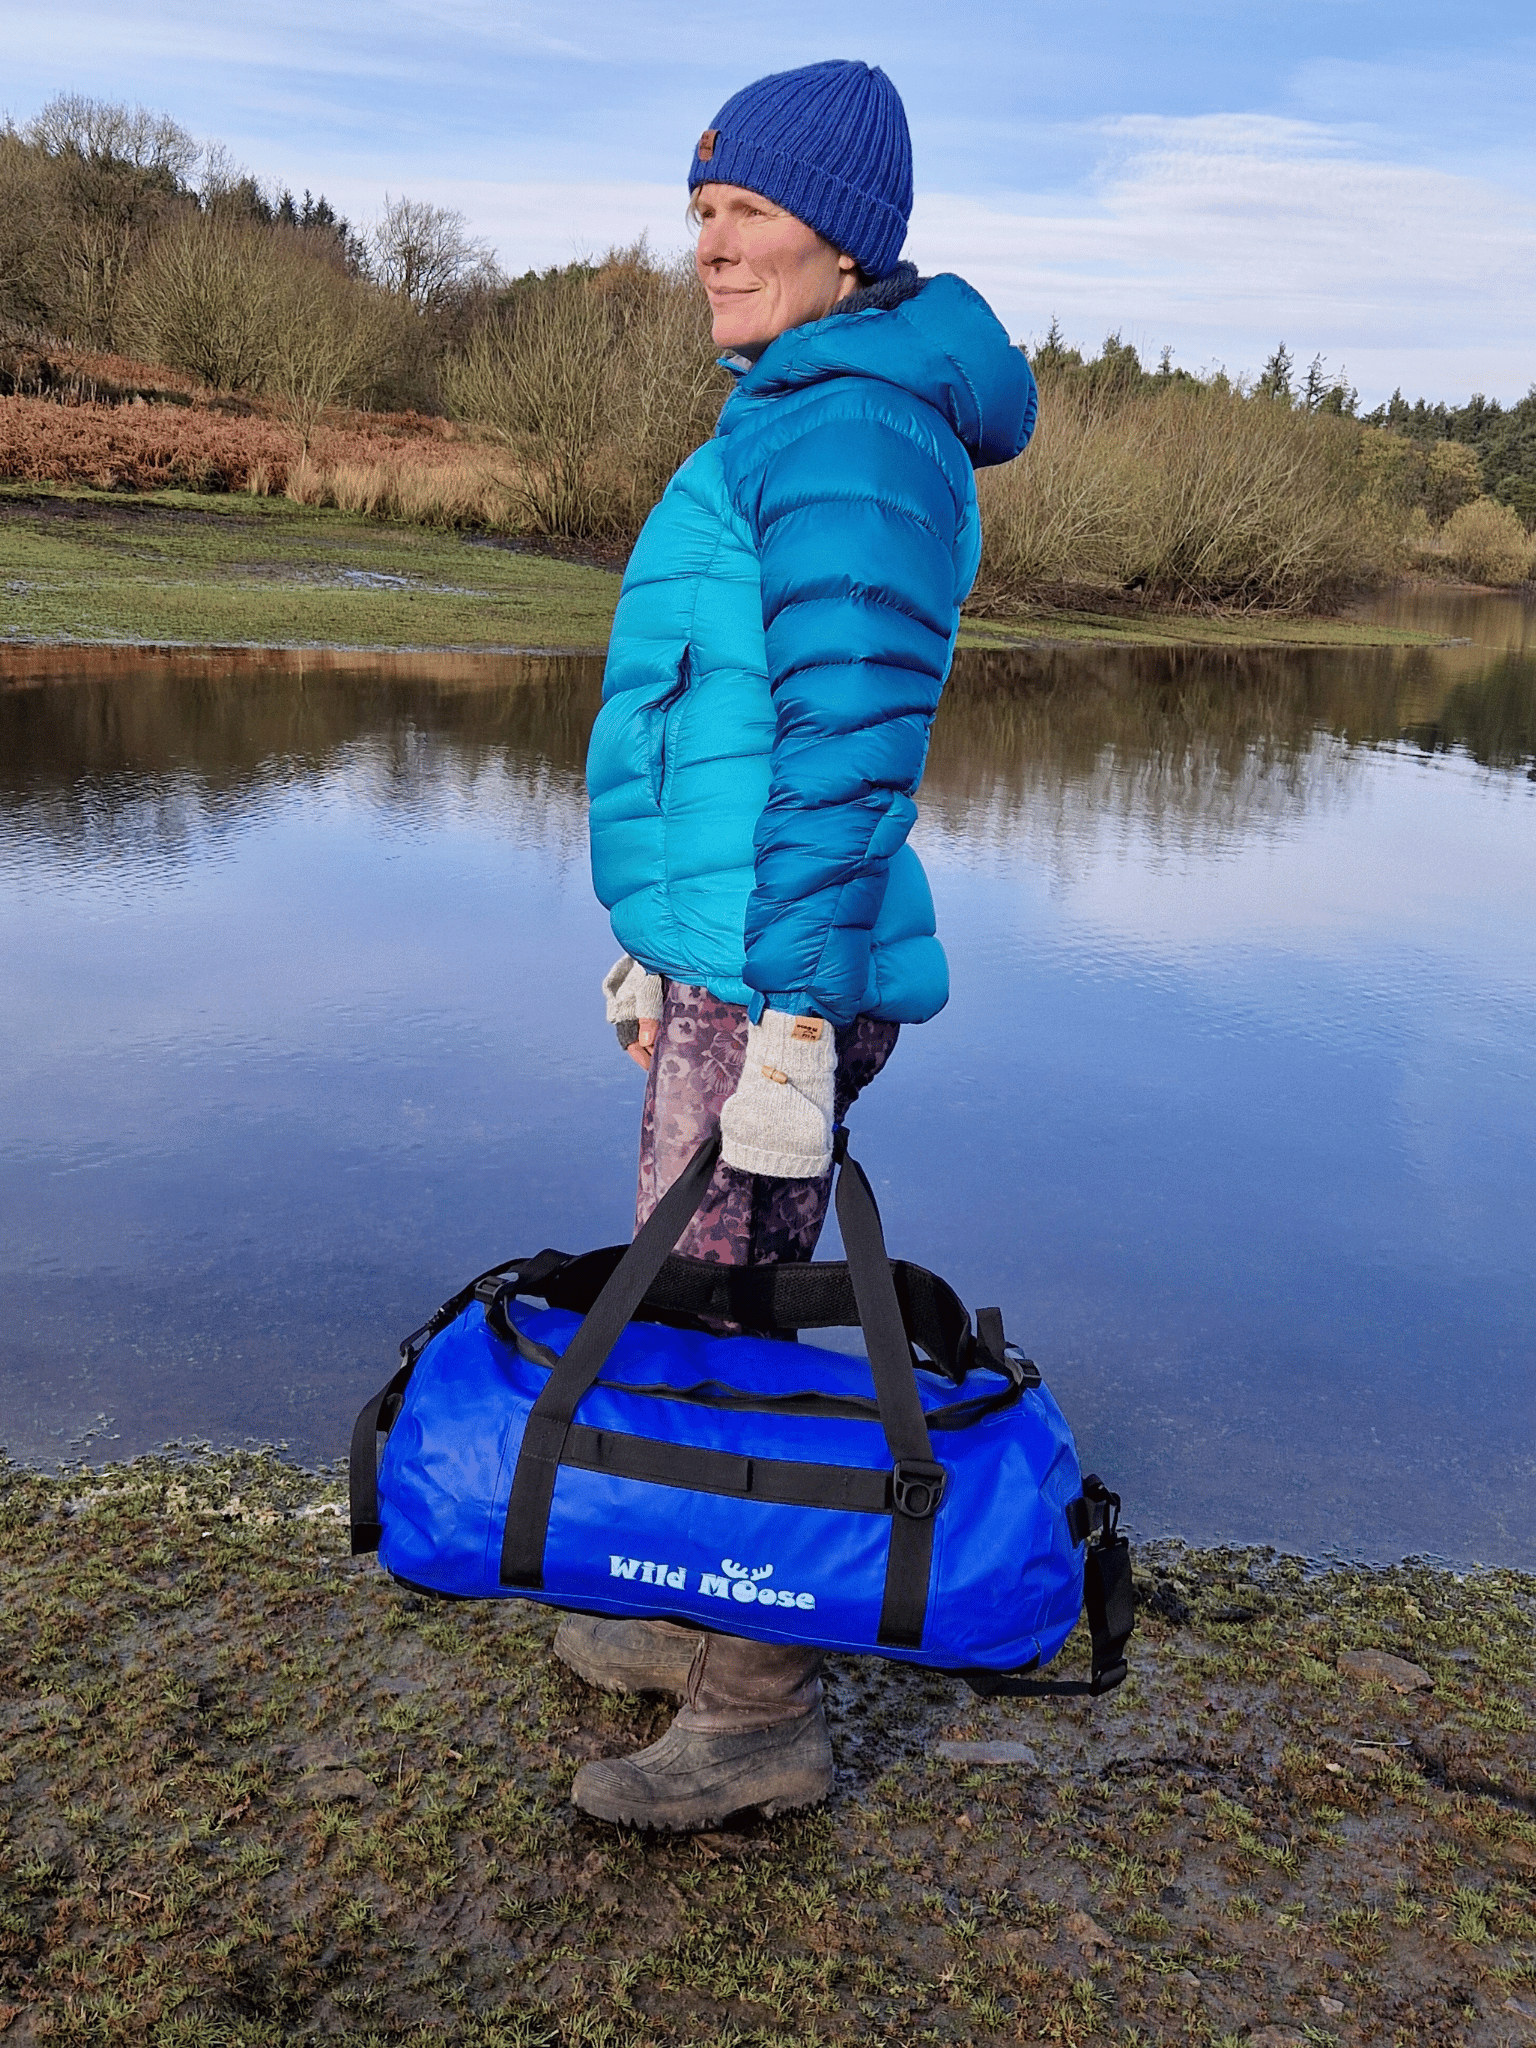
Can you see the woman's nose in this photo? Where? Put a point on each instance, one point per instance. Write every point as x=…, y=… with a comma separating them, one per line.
x=714, y=244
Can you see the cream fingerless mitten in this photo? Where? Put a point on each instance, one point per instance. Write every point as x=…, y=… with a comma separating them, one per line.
x=779, y=1121
x=629, y=994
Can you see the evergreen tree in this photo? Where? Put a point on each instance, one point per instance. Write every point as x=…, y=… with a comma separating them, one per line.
x=1275, y=378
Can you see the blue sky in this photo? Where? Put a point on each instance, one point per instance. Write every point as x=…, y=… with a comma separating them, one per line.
x=1356, y=177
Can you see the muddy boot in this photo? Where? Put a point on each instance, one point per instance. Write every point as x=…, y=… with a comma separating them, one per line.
x=628, y=1656
x=751, y=1732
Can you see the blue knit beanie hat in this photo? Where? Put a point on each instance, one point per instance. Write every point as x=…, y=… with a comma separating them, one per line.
x=830, y=143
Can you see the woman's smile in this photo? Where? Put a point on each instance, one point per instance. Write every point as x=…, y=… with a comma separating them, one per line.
x=763, y=269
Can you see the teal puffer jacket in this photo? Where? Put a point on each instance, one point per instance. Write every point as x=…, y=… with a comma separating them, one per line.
x=782, y=636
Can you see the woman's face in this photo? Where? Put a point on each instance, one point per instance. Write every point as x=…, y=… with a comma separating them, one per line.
x=765, y=271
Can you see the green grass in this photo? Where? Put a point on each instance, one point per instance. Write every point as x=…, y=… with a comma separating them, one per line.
x=171, y=568
x=177, y=568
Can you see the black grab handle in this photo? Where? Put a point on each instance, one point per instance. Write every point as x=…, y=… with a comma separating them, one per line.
x=917, y=1480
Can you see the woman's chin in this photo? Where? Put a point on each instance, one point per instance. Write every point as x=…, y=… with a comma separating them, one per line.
x=736, y=334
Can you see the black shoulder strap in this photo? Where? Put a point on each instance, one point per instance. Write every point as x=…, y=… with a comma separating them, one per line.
x=378, y=1415
x=917, y=1481
x=363, y=1461
x=544, y=1434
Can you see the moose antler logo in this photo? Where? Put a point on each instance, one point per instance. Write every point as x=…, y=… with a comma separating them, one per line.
x=745, y=1583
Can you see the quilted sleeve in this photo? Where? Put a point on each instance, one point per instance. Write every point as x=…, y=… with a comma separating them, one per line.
x=856, y=522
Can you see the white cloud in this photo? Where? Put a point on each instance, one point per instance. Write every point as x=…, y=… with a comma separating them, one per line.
x=1221, y=234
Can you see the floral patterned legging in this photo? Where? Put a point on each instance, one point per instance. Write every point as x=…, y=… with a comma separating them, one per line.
x=745, y=1219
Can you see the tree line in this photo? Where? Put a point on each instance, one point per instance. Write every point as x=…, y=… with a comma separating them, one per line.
x=119, y=233
x=589, y=382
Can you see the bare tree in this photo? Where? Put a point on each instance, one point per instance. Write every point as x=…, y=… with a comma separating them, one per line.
x=106, y=134
x=323, y=338
x=201, y=300
x=27, y=234
x=119, y=173
x=426, y=254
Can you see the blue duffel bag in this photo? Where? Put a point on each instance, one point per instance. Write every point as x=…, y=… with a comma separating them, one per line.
x=612, y=1451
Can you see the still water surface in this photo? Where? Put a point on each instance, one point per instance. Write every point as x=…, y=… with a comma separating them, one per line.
x=1233, y=1109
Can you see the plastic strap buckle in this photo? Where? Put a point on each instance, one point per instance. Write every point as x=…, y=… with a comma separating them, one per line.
x=1021, y=1370
x=1106, y=1509
x=1094, y=1517
x=917, y=1487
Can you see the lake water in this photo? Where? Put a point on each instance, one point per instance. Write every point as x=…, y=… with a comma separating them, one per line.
x=1233, y=1109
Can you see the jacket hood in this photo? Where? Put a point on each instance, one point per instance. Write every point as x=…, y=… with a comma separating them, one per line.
x=944, y=344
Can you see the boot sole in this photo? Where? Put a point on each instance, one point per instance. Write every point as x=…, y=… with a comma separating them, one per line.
x=808, y=1789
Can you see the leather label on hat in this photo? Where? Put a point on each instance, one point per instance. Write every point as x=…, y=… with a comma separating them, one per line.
x=806, y=1029
x=707, y=141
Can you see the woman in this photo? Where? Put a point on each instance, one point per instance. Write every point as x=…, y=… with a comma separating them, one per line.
x=783, y=633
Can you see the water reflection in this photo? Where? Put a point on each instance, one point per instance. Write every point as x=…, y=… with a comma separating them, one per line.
x=141, y=761
x=1232, y=1108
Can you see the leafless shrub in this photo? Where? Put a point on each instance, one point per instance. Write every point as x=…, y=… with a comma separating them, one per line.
x=1485, y=542
x=1065, y=511
x=202, y=301
x=322, y=336
x=1190, y=495
x=598, y=381
x=666, y=387
x=538, y=384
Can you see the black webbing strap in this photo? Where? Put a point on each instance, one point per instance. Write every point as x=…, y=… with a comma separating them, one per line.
x=549, y=1419
x=807, y=1401
x=782, y=1481
x=1109, y=1601
x=917, y=1483
x=378, y=1415
x=768, y=1299
x=363, y=1462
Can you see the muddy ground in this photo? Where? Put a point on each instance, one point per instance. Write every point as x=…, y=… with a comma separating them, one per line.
x=251, y=1792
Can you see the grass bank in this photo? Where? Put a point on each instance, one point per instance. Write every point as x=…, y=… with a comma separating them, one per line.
x=251, y=1793
x=171, y=567
x=176, y=567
